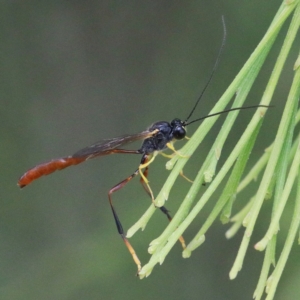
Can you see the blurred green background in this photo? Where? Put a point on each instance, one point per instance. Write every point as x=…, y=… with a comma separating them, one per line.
x=74, y=72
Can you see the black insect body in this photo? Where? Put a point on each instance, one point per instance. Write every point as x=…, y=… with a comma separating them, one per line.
x=166, y=133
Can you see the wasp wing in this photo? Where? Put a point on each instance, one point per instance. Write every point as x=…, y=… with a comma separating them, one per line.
x=106, y=146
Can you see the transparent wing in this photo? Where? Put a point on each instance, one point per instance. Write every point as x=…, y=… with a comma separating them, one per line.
x=104, y=147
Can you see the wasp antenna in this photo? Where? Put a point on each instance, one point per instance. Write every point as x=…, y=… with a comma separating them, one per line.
x=213, y=70
x=227, y=111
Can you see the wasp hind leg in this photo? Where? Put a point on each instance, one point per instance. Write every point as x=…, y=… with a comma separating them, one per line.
x=118, y=222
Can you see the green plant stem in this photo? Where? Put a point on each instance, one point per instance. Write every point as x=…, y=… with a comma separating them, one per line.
x=261, y=163
x=280, y=175
x=238, y=219
x=264, y=274
x=273, y=228
x=255, y=171
x=266, y=180
x=274, y=278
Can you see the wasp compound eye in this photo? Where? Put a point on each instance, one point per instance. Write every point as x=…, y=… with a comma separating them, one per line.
x=179, y=133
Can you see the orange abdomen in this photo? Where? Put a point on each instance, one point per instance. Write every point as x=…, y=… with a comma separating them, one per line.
x=48, y=168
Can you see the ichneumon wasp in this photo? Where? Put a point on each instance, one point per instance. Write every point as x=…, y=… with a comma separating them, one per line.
x=158, y=137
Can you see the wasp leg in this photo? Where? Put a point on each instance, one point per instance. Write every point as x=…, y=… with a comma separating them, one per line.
x=162, y=208
x=171, y=147
x=181, y=239
x=117, y=220
x=145, y=162
x=145, y=175
x=167, y=155
x=186, y=178
x=181, y=172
